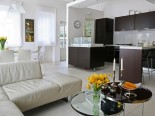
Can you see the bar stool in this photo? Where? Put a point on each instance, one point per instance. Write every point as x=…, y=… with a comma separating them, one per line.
x=24, y=55
x=145, y=58
x=151, y=56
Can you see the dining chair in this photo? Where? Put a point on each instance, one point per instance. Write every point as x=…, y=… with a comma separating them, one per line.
x=41, y=53
x=24, y=55
x=6, y=56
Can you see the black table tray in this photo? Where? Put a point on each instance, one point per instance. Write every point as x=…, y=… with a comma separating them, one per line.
x=143, y=94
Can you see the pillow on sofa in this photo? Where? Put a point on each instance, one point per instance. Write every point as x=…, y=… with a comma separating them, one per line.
x=19, y=71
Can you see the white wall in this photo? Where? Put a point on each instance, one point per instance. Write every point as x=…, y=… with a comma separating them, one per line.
x=116, y=8
x=30, y=7
x=80, y=15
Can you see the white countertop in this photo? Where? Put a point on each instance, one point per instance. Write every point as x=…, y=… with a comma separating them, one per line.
x=86, y=45
x=136, y=47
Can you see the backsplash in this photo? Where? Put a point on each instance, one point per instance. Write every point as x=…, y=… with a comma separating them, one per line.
x=134, y=37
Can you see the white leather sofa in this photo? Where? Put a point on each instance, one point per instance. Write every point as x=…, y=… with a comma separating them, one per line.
x=23, y=87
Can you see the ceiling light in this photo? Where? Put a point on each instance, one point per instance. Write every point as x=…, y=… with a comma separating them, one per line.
x=17, y=6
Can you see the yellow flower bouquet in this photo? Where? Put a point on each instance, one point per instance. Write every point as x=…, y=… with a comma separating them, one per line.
x=96, y=81
x=2, y=42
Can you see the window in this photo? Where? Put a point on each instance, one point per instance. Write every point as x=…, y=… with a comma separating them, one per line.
x=62, y=34
x=10, y=26
x=46, y=25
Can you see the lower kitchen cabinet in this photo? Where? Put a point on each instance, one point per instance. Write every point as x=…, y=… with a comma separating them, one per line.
x=87, y=57
x=110, y=53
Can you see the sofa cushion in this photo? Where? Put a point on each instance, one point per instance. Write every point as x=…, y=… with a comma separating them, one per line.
x=69, y=85
x=32, y=93
x=8, y=108
x=19, y=71
x=3, y=95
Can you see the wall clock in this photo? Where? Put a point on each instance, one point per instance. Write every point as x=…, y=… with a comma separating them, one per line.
x=77, y=24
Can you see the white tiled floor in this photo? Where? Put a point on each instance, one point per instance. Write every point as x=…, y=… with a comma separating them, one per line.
x=63, y=108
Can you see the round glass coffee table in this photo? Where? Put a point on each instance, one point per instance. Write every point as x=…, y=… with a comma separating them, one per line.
x=82, y=103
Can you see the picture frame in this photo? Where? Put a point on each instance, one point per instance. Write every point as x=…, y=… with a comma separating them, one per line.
x=29, y=30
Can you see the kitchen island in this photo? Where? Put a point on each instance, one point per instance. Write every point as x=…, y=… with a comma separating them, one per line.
x=132, y=63
x=87, y=57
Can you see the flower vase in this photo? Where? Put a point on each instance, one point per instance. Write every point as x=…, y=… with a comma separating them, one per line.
x=96, y=100
x=2, y=46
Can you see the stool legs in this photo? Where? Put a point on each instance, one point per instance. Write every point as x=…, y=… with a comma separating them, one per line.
x=151, y=67
x=148, y=68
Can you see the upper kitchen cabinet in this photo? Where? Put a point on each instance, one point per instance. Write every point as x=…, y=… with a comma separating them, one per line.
x=124, y=23
x=104, y=31
x=145, y=20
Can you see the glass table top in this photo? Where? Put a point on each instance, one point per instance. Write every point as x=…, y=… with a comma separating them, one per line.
x=83, y=104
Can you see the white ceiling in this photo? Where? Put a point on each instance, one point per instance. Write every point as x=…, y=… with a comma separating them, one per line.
x=151, y=1
x=93, y=4
x=85, y=3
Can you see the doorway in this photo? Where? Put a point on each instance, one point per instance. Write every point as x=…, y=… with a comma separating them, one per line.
x=62, y=41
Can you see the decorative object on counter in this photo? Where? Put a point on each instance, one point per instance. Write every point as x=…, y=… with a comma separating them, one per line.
x=95, y=82
x=153, y=43
x=2, y=42
x=131, y=12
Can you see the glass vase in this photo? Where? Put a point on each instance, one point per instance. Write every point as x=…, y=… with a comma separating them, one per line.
x=2, y=46
x=96, y=100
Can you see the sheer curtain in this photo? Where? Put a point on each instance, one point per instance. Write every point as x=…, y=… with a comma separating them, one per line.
x=10, y=23
x=46, y=26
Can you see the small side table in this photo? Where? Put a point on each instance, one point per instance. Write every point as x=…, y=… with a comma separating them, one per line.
x=83, y=106
x=142, y=95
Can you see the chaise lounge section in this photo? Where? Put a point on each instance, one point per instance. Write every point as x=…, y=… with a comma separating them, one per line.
x=23, y=87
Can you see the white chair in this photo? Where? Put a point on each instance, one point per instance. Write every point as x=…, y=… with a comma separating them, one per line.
x=41, y=53
x=24, y=55
x=6, y=56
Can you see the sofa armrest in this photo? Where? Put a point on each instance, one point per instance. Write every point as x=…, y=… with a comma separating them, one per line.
x=8, y=108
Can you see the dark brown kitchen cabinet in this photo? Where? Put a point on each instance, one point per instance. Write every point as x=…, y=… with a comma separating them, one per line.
x=73, y=55
x=132, y=65
x=124, y=23
x=104, y=31
x=145, y=20
x=87, y=57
